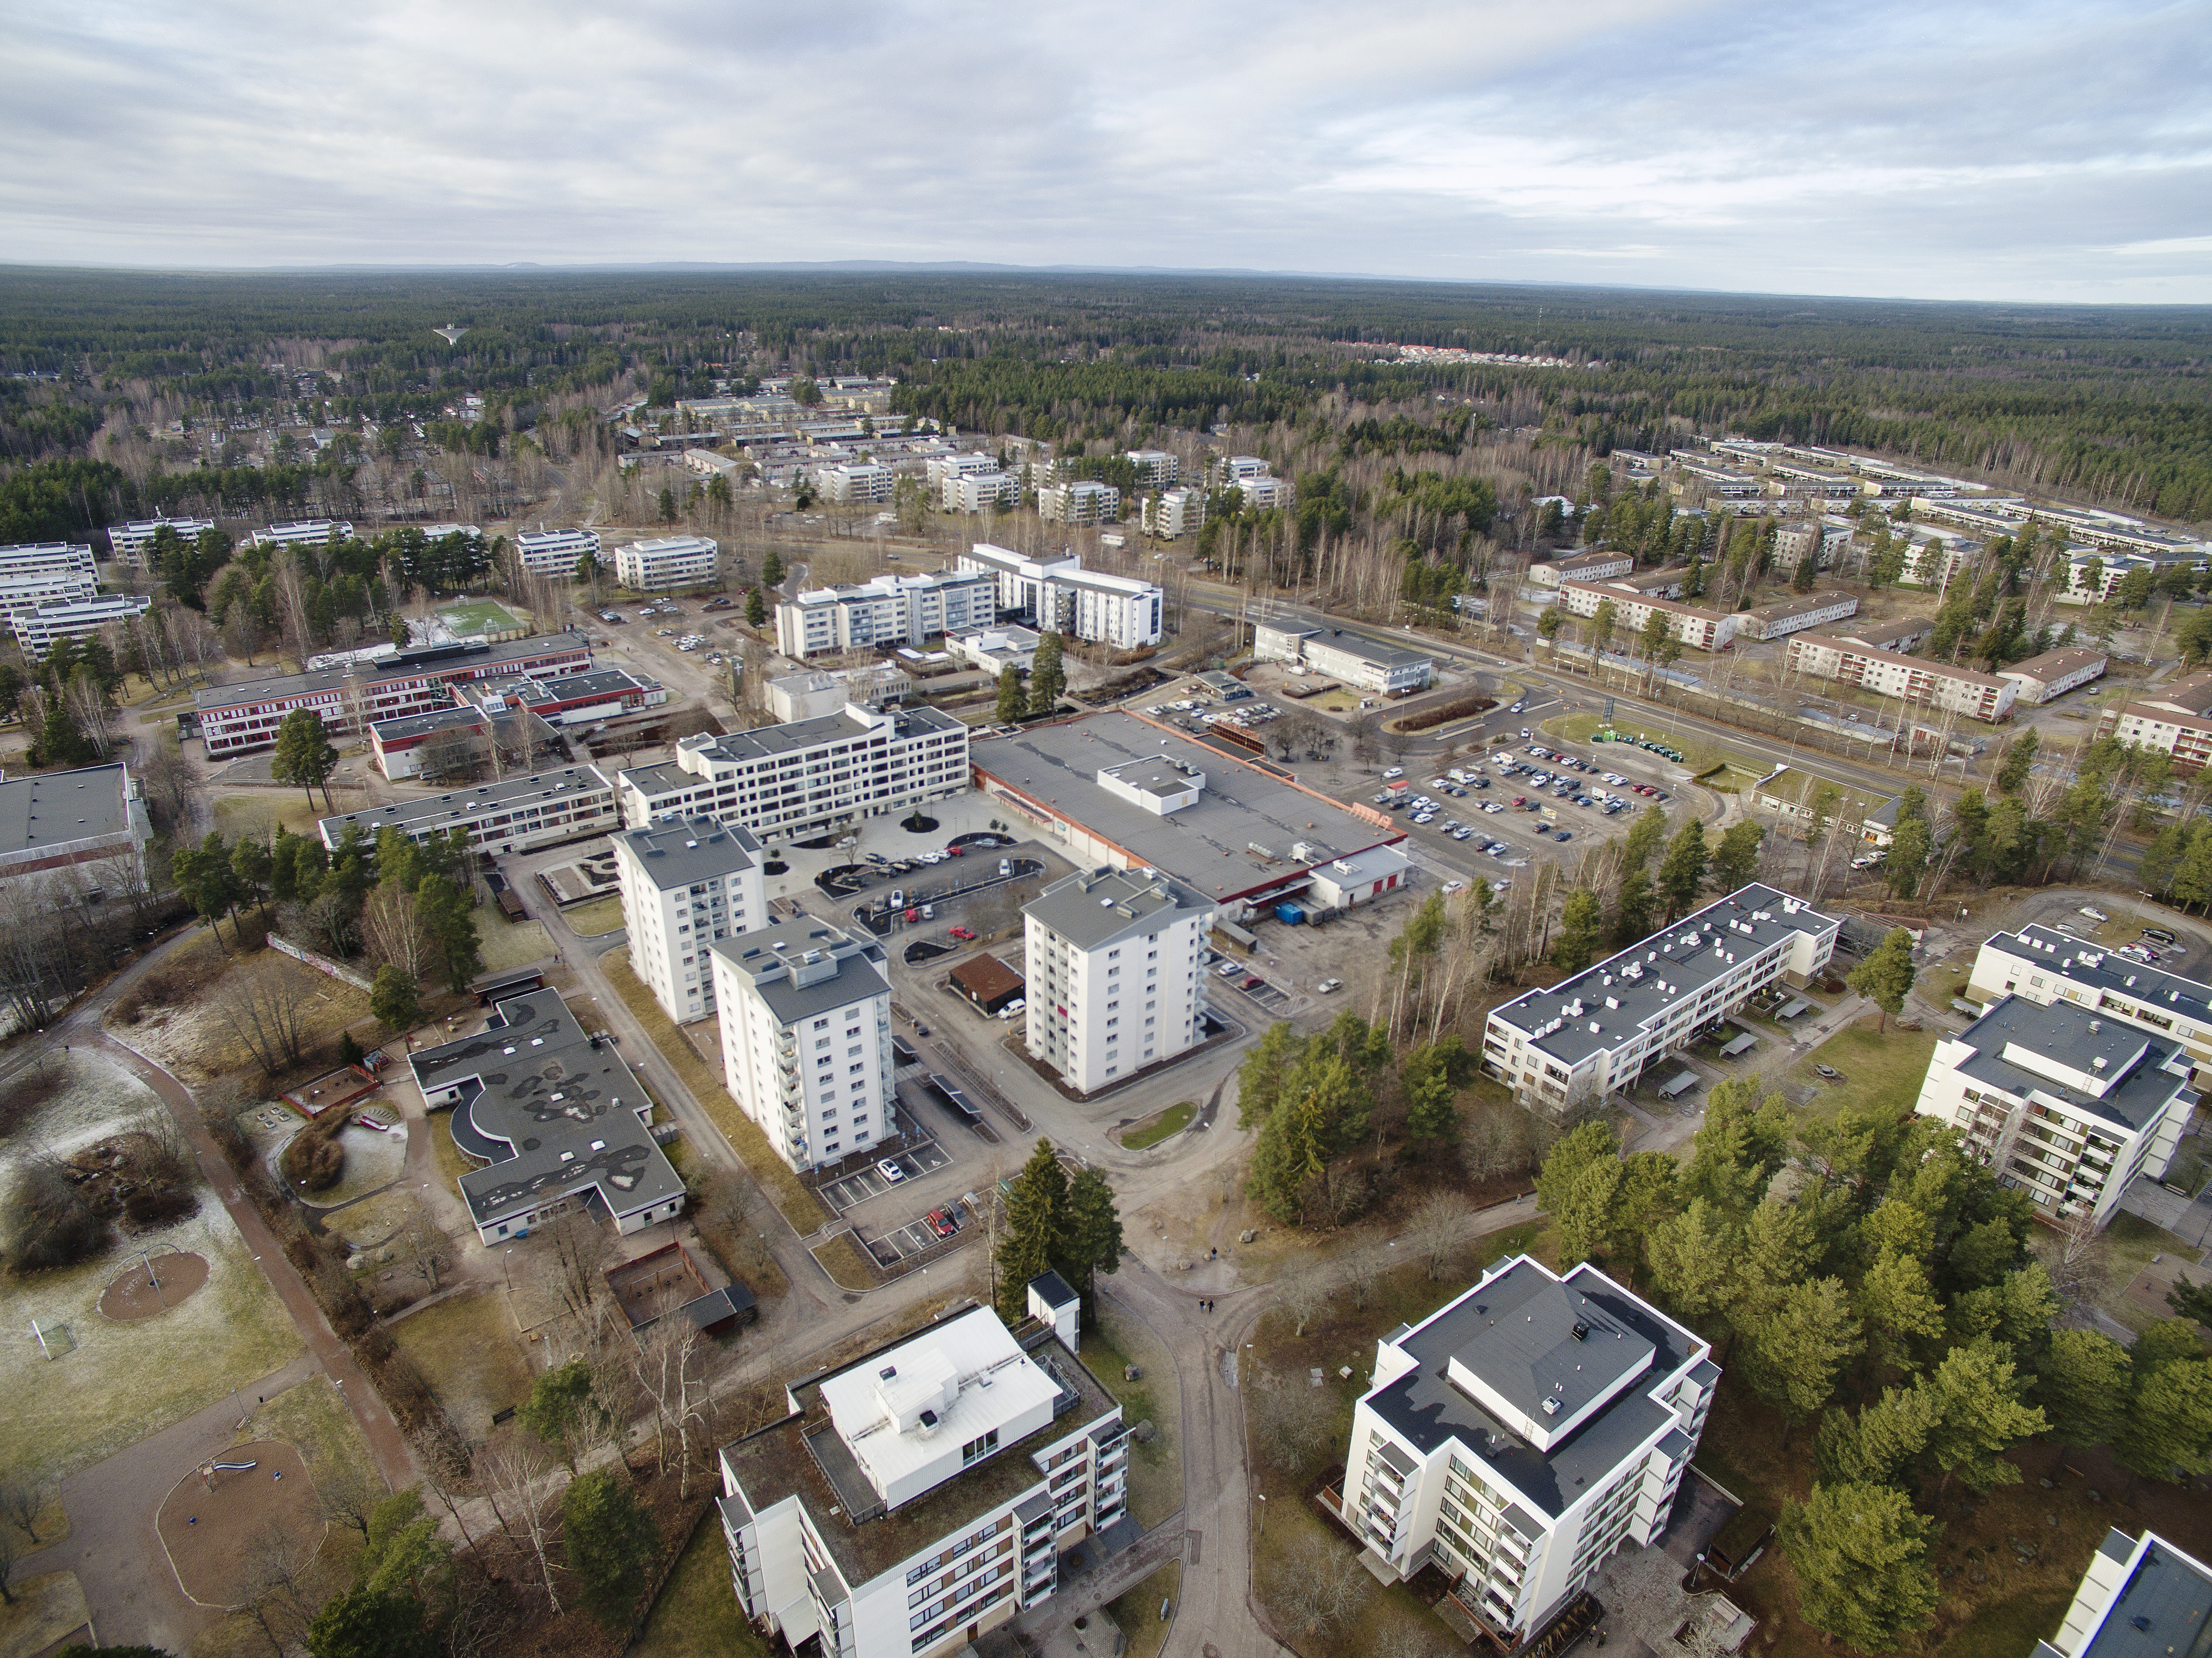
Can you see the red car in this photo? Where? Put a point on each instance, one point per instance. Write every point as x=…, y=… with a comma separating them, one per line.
x=954, y=852
x=1253, y=981
x=942, y=1224
x=966, y=935
x=1519, y=800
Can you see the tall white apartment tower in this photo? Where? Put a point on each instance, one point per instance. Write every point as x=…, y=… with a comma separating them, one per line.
x=805, y=1018
x=1115, y=982
x=683, y=885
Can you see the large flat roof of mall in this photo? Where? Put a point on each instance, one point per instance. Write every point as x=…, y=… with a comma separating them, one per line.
x=1206, y=846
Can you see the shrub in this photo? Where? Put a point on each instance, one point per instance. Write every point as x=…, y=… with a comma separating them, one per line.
x=160, y=1205
x=49, y=1222
x=313, y=1161
x=1459, y=708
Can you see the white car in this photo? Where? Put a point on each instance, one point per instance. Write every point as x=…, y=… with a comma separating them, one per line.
x=1329, y=987
x=1394, y=771
x=1450, y=887
x=2094, y=914
x=890, y=1171
x=1493, y=806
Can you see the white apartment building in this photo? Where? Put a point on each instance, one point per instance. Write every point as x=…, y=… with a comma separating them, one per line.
x=130, y=542
x=805, y=1013
x=1693, y=624
x=1084, y=500
x=1115, y=960
x=1936, y=558
x=890, y=609
x=1237, y=470
x=818, y=694
x=1371, y=665
x=1059, y=596
x=683, y=885
x=2176, y=719
x=1916, y=679
x=2138, y=1597
x=1598, y=1031
x=667, y=563
x=1582, y=567
x=555, y=552
x=939, y=467
x=2061, y=1102
x=311, y=532
x=1156, y=468
x=2054, y=673
x=982, y=491
x=25, y=591
x=64, y=560
x=920, y=1497
x=796, y=780
x=853, y=481
x=2045, y=965
x=1174, y=514
x=37, y=631
x=515, y=814
x=1260, y=493
x=1797, y=613
x=1519, y=1436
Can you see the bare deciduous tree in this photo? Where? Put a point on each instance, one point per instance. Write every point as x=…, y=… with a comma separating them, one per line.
x=1323, y=1583
x=347, y=1495
x=392, y=925
x=22, y=1501
x=265, y=1007
x=516, y=1467
x=277, y=1590
x=579, y=1247
x=1302, y=1295
x=1438, y=1222
x=426, y=1251
x=1296, y=1420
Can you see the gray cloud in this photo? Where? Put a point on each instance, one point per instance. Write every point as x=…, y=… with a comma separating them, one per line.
x=1966, y=151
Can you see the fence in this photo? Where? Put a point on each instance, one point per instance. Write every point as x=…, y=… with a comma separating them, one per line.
x=322, y=964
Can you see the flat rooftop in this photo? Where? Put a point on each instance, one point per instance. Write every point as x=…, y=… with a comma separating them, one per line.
x=1650, y=978
x=774, y=961
x=434, y=660
x=1206, y=845
x=1803, y=604
x=409, y=725
x=2084, y=963
x=2073, y=1037
x=433, y=812
x=771, y=742
x=691, y=849
x=63, y=806
x=2056, y=665
x=800, y=1455
x=1381, y=653
x=1091, y=911
x=2163, y=1606
x=1882, y=635
x=1428, y=1409
x=555, y=1112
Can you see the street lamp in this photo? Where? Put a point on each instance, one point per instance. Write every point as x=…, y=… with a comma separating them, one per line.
x=1263, y=1514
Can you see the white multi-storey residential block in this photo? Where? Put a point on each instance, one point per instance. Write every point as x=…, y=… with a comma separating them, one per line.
x=1157, y=469
x=854, y=481
x=1083, y=502
x=1693, y=624
x=2054, y=673
x=1372, y=664
x=1582, y=567
x=1174, y=514
x=667, y=563
x=1061, y=597
x=890, y=609
x=73, y=836
x=2175, y=719
x=1115, y=975
x=1916, y=679
x=1596, y=1032
x=312, y=533
x=555, y=552
x=1520, y=1435
x=2138, y=1597
x=2063, y=1103
x=133, y=542
x=53, y=572
x=982, y=490
x=805, y=1013
x=920, y=1497
x=515, y=814
x=791, y=780
x=1261, y=493
x=1242, y=469
x=1795, y=614
x=683, y=885
x=37, y=630
x=2045, y=965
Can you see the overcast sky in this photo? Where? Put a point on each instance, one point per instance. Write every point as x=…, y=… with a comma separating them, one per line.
x=1947, y=150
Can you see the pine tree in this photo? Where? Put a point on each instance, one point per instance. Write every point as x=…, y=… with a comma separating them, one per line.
x=1260, y=1079
x=1736, y=863
x=1860, y=1553
x=1897, y=1307
x=1884, y=977
x=772, y=568
x=1978, y=1417
x=1808, y=573
x=1013, y=702
x=756, y=610
x=1795, y=1354
x=1683, y=874
x=1631, y=908
x=2083, y=1385
x=393, y=998
x=1576, y=945
x=1091, y=1230
x=304, y=755
x=1880, y=1442
x=1691, y=1257
x=610, y=1542
x=1644, y=836
x=451, y=924
x=1031, y=1238
x=1048, y=679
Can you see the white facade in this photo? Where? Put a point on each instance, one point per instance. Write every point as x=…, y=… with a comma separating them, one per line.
x=2175, y=719
x=805, y=1013
x=785, y=781
x=24, y=590
x=2136, y=1593
x=854, y=481
x=1156, y=468
x=1018, y=1451
x=1596, y=1032
x=2054, y=673
x=1261, y=493
x=982, y=490
x=2045, y=965
x=132, y=541
x=1693, y=624
x=1114, y=977
x=312, y=532
x=1174, y=514
x=890, y=609
x=2066, y=1105
x=684, y=885
x=37, y=631
x=1519, y=1436
x=1084, y=501
x=1582, y=567
x=516, y=814
x=1917, y=679
x=1368, y=664
x=57, y=560
x=555, y=552
x=665, y=562
x=1791, y=616
x=1065, y=597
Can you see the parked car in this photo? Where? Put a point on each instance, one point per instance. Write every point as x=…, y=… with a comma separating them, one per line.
x=1253, y=981
x=890, y=1171
x=1394, y=771
x=942, y=1224
x=1329, y=987
x=2094, y=914
x=966, y=935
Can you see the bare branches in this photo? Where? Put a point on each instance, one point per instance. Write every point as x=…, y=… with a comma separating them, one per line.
x=1302, y=1295
x=265, y=1007
x=519, y=1478
x=1435, y=1232
x=1323, y=1583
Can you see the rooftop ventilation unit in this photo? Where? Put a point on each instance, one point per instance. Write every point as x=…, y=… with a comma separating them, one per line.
x=1551, y=1405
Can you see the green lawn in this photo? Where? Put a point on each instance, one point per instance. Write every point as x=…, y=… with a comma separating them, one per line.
x=1157, y=1127
x=479, y=615
x=1138, y=1610
x=698, y=1614
x=1700, y=754
x=594, y=917
x=1877, y=1068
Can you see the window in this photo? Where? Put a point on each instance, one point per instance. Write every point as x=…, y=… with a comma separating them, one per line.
x=976, y=1448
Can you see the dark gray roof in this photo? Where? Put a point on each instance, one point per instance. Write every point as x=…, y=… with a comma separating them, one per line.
x=1428, y=1410
x=1685, y=957
x=773, y=959
x=422, y=725
x=569, y=687
x=1054, y=1288
x=2132, y=982
x=63, y=806
x=2074, y=1037
x=1367, y=649
x=472, y=661
x=1092, y=910
x=431, y=811
x=691, y=849
x=2161, y=1608
x=772, y=740
x=565, y=1111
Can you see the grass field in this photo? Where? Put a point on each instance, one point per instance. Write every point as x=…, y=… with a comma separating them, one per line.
x=1137, y=1611
x=1155, y=1470
x=842, y=1258
x=479, y=616
x=1877, y=1069
x=697, y=1615
x=467, y=1350
x=1700, y=754
x=1157, y=1127
x=594, y=917
x=311, y=1417
x=797, y=1204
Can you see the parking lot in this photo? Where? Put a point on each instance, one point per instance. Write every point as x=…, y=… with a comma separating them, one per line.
x=1264, y=996
x=850, y=1191
x=916, y=1236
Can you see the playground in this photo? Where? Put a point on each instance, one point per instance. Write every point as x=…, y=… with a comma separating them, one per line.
x=137, y=1292
x=209, y=1519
